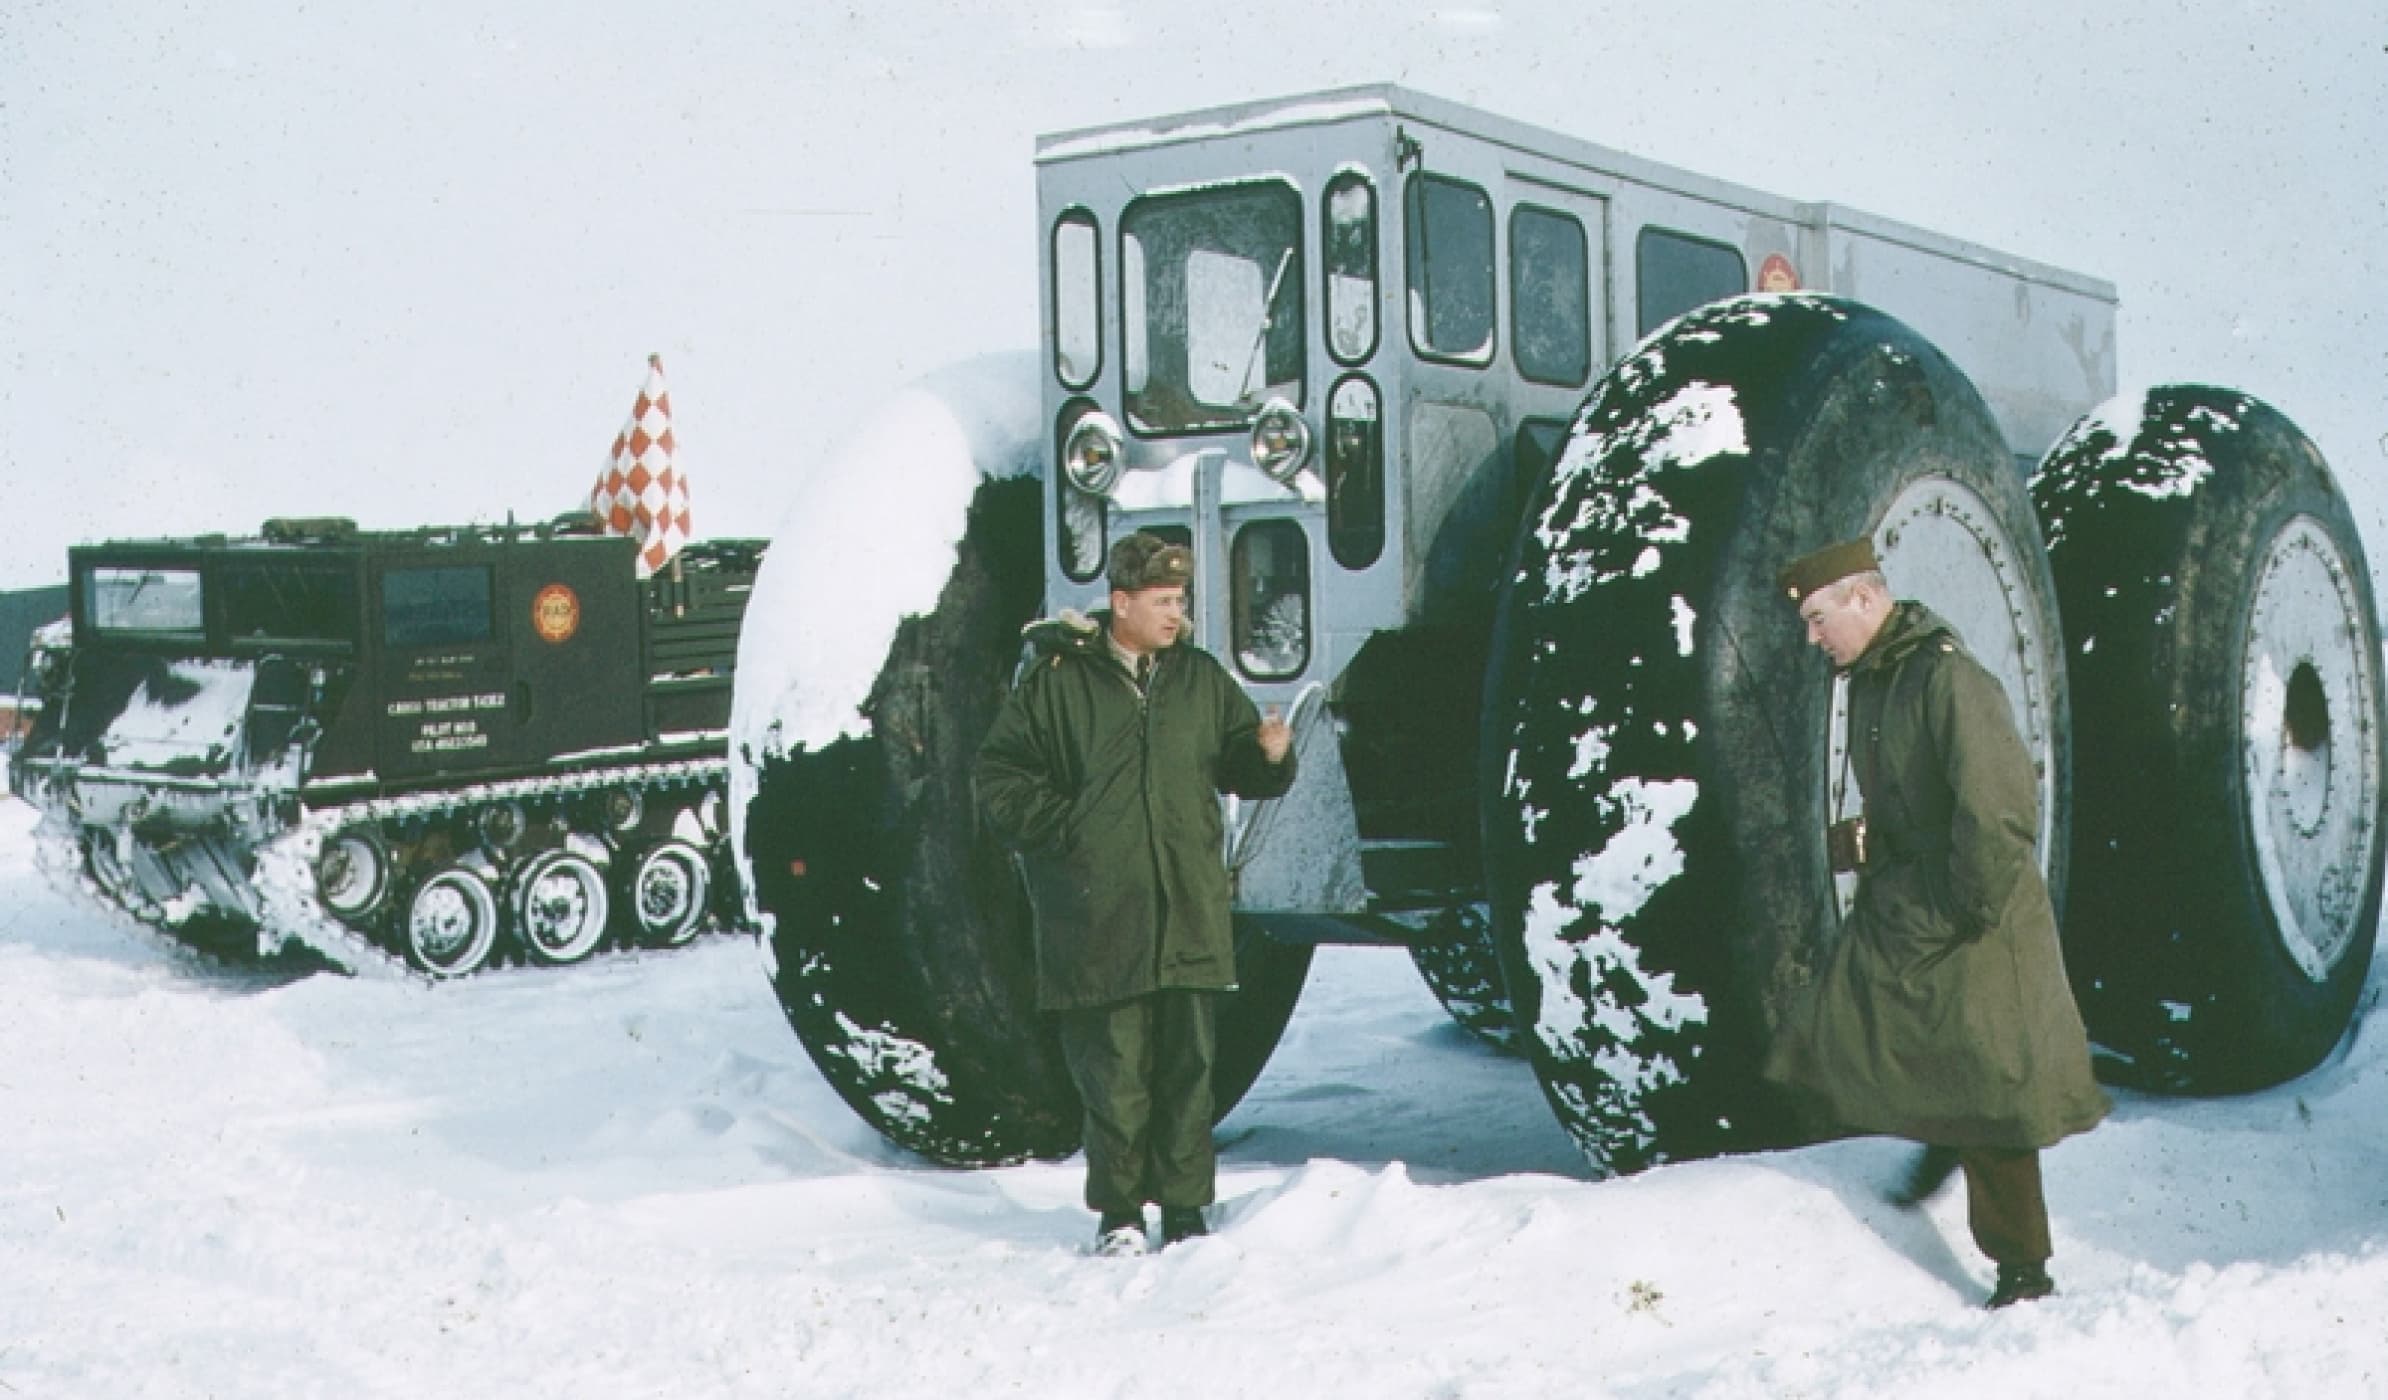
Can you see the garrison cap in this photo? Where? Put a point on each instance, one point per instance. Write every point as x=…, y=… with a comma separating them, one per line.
x=1144, y=560
x=1830, y=564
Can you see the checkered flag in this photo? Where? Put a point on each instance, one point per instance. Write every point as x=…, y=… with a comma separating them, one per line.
x=642, y=492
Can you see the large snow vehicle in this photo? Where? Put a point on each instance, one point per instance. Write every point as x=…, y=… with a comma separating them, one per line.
x=432, y=747
x=1488, y=442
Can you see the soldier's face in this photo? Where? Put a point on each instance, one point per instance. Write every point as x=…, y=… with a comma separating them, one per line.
x=1149, y=618
x=1837, y=624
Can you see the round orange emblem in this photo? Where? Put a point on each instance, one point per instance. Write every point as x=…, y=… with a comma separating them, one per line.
x=555, y=613
x=1776, y=274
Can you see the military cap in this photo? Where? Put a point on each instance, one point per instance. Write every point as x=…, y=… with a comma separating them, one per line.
x=1830, y=564
x=1143, y=560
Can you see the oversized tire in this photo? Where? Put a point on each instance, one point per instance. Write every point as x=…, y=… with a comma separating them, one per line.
x=2225, y=648
x=451, y=923
x=1661, y=743
x=560, y=906
x=1457, y=959
x=901, y=945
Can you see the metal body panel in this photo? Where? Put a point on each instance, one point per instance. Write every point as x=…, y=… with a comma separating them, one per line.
x=2037, y=340
x=1465, y=430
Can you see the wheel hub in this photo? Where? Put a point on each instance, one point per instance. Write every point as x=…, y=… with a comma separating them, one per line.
x=2308, y=689
x=442, y=921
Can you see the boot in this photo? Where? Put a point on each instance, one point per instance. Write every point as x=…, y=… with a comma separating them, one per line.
x=1929, y=1172
x=1181, y=1223
x=1120, y=1235
x=2020, y=1283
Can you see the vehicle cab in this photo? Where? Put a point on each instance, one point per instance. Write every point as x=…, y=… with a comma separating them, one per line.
x=1332, y=342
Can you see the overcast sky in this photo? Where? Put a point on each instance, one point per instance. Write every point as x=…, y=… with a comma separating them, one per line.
x=406, y=263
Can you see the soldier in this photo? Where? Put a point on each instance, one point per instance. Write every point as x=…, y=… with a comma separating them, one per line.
x=1103, y=771
x=1943, y=1014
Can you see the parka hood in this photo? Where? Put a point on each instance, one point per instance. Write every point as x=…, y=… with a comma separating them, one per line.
x=1073, y=633
x=1068, y=631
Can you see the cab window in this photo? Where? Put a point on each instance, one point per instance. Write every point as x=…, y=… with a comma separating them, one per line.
x=446, y=605
x=1674, y=272
x=289, y=602
x=135, y=599
x=1350, y=244
x=1447, y=229
x=1550, y=296
x=1211, y=316
x=1077, y=291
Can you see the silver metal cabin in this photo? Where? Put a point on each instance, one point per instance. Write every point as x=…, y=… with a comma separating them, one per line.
x=1425, y=293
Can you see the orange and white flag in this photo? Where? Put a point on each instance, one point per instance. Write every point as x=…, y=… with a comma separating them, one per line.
x=642, y=492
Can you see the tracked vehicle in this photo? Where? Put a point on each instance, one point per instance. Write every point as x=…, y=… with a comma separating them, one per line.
x=1488, y=442
x=435, y=748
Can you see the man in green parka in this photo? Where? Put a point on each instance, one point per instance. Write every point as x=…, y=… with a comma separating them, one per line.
x=1103, y=771
x=1943, y=1014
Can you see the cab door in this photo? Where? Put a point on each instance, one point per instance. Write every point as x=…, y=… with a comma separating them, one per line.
x=440, y=666
x=578, y=683
x=506, y=656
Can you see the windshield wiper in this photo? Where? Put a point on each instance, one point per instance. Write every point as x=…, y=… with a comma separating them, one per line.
x=1268, y=322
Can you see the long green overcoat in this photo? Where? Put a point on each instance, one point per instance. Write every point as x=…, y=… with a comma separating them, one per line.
x=1111, y=797
x=1943, y=1015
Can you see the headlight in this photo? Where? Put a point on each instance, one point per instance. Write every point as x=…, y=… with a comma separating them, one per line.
x=1091, y=456
x=1280, y=440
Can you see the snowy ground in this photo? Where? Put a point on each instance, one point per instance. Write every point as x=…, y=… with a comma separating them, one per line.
x=626, y=1180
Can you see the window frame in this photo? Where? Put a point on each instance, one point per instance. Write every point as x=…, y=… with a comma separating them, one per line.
x=1298, y=286
x=489, y=634
x=1238, y=603
x=1376, y=267
x=1517, y=318
x=1080, y=216
x=1414, y=300
x=1641, y=303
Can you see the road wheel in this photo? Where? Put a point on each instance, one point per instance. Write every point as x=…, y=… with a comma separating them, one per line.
x=451, y=922
x=1661, y=743
x=560, y=906
x=1456, y=956
x=353, y=875
x=2222, y=634
x=670, y=890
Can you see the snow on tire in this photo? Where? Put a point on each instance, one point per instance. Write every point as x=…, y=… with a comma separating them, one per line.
x=881, y=638
x=1660, y=740
x=2221, y=630
x=901, y=946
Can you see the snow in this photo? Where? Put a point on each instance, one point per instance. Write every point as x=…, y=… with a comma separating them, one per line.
x=1576, y=944
x=192, y=726
x=899, y=486
x=2122, y=419
x=625, y=1180
x=1697, y=422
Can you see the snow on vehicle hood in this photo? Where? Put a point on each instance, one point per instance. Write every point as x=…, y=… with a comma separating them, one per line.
x=868, y=539
x=186, y=721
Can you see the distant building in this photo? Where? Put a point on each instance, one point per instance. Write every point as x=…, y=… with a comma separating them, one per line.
x=21, y=611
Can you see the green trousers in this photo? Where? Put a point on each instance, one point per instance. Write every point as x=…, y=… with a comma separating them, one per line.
x=1143, y=1070
x=2004, y=1205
